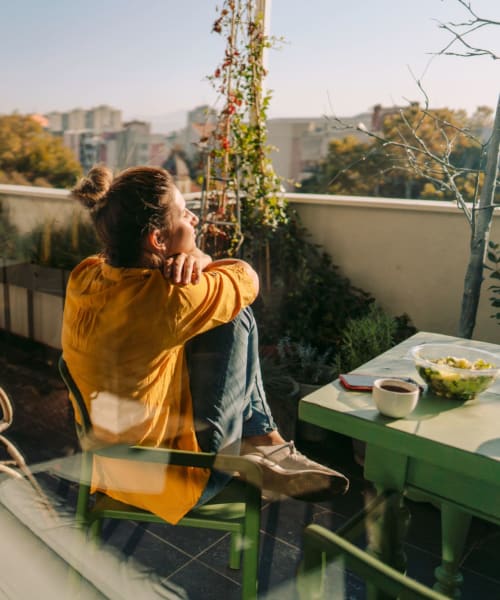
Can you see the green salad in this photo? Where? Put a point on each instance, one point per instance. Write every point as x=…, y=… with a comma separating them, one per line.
x=459, y=386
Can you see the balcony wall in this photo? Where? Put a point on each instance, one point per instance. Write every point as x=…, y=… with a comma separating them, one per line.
x=410, y=255
x=27, y=207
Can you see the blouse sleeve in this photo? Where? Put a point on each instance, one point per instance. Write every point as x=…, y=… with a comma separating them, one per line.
x=221, y=294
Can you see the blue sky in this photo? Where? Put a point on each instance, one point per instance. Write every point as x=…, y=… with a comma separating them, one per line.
x=150, y=58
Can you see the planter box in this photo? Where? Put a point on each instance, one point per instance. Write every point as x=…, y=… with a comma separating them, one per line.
x=32, y=301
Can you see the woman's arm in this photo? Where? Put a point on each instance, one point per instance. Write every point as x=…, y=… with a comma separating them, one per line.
x=182, y=268
x=235, y=261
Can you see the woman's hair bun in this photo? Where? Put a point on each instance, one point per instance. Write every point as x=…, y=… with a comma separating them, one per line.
x=91, y=190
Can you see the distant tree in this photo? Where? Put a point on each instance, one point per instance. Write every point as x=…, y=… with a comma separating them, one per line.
x=29, y=155
x=434, y=152
x=349, y=168
x=481, y=122
x=397, y=165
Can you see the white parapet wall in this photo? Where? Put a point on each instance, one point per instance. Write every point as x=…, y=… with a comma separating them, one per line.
x=411, y=255
x=28, y=207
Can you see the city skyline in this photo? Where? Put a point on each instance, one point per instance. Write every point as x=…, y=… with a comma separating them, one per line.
x=152, y=62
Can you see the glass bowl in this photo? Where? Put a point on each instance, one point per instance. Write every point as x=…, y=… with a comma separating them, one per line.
x=454, y=371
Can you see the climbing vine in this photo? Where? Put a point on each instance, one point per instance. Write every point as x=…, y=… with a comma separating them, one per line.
x=244, y=202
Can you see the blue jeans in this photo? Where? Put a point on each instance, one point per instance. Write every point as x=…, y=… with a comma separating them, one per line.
x=229, y=401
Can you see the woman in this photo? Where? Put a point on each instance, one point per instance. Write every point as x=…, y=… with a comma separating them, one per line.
x=163, y=345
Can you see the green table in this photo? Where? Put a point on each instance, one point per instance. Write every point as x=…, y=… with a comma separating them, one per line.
x=444, y=451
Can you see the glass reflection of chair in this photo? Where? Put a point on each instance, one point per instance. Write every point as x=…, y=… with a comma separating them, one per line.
x=15, y=466
x=236, y=509
x=323, y=547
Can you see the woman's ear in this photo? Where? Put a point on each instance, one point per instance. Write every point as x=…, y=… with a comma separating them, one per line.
x=156, y=241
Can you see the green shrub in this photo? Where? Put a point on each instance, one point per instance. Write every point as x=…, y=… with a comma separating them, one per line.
x=305, y=363
x=61, y=247
x=494, y=259
x=309, y=301
x=366, y=337
x=11, y=240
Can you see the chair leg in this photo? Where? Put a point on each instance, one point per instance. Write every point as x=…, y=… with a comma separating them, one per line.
x=235, y=550
x=251, y=545
x=95, y=530
x=311, y=575
x=82, y=503
x=82, y=506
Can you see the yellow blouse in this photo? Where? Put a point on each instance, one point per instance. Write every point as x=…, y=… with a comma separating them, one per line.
x=123, y=338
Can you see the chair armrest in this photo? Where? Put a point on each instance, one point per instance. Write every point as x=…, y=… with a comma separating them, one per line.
x=227, y=463
x=163, y=456
x=319, y=540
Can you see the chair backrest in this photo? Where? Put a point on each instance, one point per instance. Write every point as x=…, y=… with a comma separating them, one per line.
x=202, y=460
x=85, y=426
x=319, y=542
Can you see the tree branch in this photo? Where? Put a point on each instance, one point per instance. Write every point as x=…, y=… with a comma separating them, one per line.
x=461, y=30
x=447, y=169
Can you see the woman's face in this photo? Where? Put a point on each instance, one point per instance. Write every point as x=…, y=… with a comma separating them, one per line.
x=181, y=230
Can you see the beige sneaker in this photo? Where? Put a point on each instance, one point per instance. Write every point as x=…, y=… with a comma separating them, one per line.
x=288, y=472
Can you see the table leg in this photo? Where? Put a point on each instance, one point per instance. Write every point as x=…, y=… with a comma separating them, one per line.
x=454, y=529
x=387, y=528
x=386, y=531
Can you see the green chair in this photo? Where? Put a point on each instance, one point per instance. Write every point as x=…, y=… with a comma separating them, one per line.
x=235, y=509
x=322, y=546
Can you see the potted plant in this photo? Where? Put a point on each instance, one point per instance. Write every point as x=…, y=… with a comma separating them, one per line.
x=310, y=368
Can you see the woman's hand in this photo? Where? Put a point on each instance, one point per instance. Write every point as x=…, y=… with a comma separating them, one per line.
x=182, y=269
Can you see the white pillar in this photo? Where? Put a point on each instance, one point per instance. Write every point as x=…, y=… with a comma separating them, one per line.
x=263, y=7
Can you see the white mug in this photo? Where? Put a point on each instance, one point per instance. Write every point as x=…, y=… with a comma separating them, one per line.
x=394, y=397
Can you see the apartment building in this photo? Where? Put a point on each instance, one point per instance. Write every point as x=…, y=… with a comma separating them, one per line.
x=100, y=135
x=299, y=143
x=136, y=145
x=99, y=119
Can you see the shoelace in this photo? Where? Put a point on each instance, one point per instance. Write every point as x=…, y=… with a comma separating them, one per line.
x=290, y=446
x=292, y=455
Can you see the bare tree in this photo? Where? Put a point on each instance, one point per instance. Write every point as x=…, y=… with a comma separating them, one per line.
x=417, y=156
x=462, y=31
x=480, y=234
x=413, y=153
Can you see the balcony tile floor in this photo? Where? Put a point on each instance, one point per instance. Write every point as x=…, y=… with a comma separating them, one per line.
x=194, y=562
